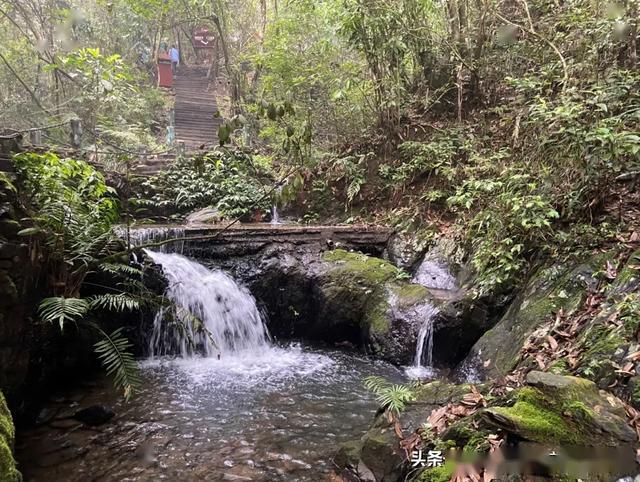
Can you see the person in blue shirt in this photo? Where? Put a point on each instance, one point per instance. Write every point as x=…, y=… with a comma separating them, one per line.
x=174, y=55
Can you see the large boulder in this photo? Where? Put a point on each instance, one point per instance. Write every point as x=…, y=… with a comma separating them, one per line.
x=338, y=297
x=369, y=293
x=563, y=410
x=545, y=293
x=378, y=456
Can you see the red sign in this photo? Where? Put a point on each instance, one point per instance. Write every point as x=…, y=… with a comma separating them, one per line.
x=203, y=39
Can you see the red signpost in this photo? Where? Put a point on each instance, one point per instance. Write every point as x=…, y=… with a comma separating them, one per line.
x=203, y=39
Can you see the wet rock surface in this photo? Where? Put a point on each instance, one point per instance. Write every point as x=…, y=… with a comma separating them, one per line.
x=94, y=415
x=547, y=291
x=548, y=412
x=335, y=296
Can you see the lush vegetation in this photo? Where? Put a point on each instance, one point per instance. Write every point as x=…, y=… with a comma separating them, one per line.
x=70, y=212
x=228, y=181
x=510, y=128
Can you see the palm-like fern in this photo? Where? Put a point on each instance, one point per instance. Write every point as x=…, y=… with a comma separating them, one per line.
x=113, y=352
x=61, y=310
x=120, y=269
x=71, y=213
x=392, y=397
x=114, y=302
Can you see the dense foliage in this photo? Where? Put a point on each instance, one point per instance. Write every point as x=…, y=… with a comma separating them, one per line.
x=71, y=212
x=228, y=181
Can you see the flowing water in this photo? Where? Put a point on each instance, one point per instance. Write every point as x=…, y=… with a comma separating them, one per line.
x=153, y=234
x=423, y=362
x=275, y=217
x=435, y=276
x=215, y=315
x=257, y=412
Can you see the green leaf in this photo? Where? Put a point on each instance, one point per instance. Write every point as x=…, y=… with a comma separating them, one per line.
x=62, y=310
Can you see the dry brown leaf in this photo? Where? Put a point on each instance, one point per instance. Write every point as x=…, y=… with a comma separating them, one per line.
x=562, y=334
x=634, y=237
x=635, y=356
x=553, y=344
x=398, y=429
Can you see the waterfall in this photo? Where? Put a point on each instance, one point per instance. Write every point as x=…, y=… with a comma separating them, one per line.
x=212, y=315
x=275, y=218
x=423, y=360
x=425, y=338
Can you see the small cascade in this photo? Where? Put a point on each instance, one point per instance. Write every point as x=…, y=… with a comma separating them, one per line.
x=425, y=340
x=423, y=361
x=212, y=315
x=275, y=218
x=143, y=236
x=435, y=275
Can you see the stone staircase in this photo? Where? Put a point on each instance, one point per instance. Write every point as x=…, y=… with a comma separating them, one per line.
x=196, y=117
x=196, y=108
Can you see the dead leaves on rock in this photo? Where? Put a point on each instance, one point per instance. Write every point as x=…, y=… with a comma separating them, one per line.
x=556, y=339
x=634, y=418
x=442, y=417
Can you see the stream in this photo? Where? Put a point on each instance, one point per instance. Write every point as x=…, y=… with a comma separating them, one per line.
x=221, y=404
x=280, y=417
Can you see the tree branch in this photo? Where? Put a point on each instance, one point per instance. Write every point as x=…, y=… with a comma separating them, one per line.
x=545, y=40
x=26, y=87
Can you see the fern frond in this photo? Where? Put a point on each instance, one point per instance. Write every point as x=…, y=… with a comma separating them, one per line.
x=391, y=397
x=113, y=352
x=61, y=310
x=114, y=302
x=120, y=269
x=375, y=384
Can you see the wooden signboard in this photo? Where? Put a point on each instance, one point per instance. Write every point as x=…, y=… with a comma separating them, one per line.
x=203, y=39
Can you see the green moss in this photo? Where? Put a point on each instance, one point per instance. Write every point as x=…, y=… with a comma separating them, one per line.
x=629, y=275
x=560, y=367
x=538, y=424
x=356, y=276
x=410, y=294
x=376, y=317
x=559, y=417
x=366, y=268
x=578, y=411
x=441, y=392
x=600, y=343
x=438, y=474
x=8, y=471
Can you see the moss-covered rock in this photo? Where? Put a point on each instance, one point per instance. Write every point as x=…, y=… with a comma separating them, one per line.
x=8, y=471
x=562, y=410
x=546, y=292
x=379, y=449
x=628, y=278
x=373, y=295
x=438, y=474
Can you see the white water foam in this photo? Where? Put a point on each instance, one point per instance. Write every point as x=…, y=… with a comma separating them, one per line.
x=235, y=347
x=215, y=316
